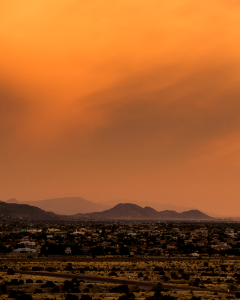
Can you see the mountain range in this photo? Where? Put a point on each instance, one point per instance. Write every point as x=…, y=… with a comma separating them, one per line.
x=132, y=211
x=122, y=211
x=74, y=205
x=78, y=205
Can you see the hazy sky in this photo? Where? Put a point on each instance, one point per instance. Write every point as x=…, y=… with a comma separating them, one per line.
x=135, y=99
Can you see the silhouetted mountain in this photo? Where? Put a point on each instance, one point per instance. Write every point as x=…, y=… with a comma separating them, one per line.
x=133, y=211
x=194, y=215
x=14, y=212
x=65, y=206
x=122, y=211
x=156, y=206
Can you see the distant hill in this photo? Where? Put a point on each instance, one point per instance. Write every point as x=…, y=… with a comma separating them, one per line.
x=13, y=200
x=132, y=211
x=64, y=206
x=124, y=211
x=15, y=212
x=156, y=206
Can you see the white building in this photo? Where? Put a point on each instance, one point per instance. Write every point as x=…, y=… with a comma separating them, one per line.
x=28, y=243
x=68, y=250
x=24, y=250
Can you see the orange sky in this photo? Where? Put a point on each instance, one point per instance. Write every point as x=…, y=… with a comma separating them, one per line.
x=121, y=100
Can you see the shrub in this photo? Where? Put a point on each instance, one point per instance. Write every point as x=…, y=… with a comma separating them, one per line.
x=165, y=278
x=75, y=290
x=13, y=294
x=3, y=289
x=157, y=290
x=210, y=274
x=71, y=297
x=185, y=276
x=25, y=297
x=10, y=271
x=168, y=297
x=37, y=268
x=121, y=289
x=38, y=291
x=159, y=269
x=86, y=297
x=237, y=275
x=162, y=273
x=55, y=290
x=67, y=285
x=14, y=282
x=81, y=270
x=123, y=297
x=174, y=275
x=49, y=284
x=232, y=287
x=29, y=281
x=180, y=270
x=112, y=274
x=50, y=269
x=238, y=295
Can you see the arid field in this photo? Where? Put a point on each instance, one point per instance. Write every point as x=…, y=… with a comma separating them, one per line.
x=216, y=274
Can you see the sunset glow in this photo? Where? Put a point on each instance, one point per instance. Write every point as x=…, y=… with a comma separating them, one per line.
x=121, y=100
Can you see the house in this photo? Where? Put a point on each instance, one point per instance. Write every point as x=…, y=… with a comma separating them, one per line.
x=68, y=250
x=194, y=254
x=78, y=233
x=171, y=247
x=52, y=230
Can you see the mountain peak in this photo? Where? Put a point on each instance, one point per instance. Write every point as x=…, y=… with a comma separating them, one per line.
x=13, y=200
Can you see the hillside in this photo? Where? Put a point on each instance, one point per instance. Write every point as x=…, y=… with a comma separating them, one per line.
x=15, y=212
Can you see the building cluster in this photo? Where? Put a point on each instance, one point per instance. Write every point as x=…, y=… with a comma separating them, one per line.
x=122, y=238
